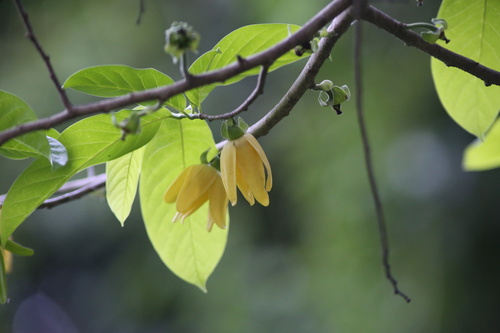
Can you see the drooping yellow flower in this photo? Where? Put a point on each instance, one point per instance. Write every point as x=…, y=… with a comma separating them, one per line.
x=192, y=188
x=242, y=164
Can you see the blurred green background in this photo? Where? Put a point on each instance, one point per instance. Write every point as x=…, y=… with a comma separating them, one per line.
x=310, y=262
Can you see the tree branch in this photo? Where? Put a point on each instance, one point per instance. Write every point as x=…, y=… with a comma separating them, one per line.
x=30, y=33
x=305, y=34
x=410, y=38
x=259, y=90
x=96, y=182
x=306, y=78
x=72, y=190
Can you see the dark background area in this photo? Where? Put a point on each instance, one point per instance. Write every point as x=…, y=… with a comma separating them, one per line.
x=310, y=262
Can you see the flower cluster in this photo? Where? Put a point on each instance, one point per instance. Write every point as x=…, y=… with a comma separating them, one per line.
x=243, y=165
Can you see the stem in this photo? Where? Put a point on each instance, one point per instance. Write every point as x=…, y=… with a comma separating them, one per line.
x=46, y=59
x=259, y=90
x=410, y=38
x=421, y=25
x=382, y=227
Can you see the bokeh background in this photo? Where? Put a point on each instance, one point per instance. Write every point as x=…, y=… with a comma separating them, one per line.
x=310, y=262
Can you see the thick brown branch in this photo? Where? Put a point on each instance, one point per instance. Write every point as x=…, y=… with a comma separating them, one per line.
x=410, y=38
x=30, y=33
x=305, y=34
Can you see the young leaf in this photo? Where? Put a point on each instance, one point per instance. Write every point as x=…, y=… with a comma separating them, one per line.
x=479, y=156
x=242, y=42
x=122, y=176
x=14, y=111
x=91, y=141
x=188, y=249
x=474, y=31
x=118, y=80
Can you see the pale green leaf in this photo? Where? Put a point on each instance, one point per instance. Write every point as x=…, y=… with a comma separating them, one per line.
x=122, y=176
x=188, y=249
x=484, y=155
x=91, y=141
x=244, y=42
x=14, y=111
x=118, y=80
x=474, y=31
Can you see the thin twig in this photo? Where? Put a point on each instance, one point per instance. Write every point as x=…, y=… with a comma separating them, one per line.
x=382, y=227
x=142, y=9
x=99, y=182
x=30, y=33
x=259, y=90
x=73, y=186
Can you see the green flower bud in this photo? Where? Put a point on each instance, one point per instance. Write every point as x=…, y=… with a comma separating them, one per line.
x=130, y=125
x=341, y=94
x=180, y=37
x=334, y=97
x=324, y=85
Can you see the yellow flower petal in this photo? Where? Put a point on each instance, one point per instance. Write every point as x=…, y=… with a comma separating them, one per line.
x=196, y=185
x=250, y=165
x=218, y=205
x=255, y=144
x=244, y=189
x=173, y=190
x=193, y=207
x=228, y=170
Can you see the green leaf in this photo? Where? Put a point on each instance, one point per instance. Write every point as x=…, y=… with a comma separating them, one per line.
x=188, y=249
x=474, y=31
x=14, y=111
x=91, y=141
x=479, y=156
x=244, y=42
x=18, y=249
x=122, y=176
x=118, y=80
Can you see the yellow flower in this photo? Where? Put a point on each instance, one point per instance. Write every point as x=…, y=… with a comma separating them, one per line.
x=192, y=188
x=242, y=164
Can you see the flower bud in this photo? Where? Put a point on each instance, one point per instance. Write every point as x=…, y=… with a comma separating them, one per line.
x=180, y=37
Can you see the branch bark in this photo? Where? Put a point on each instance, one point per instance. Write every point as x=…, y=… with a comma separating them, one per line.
x=410, y=38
